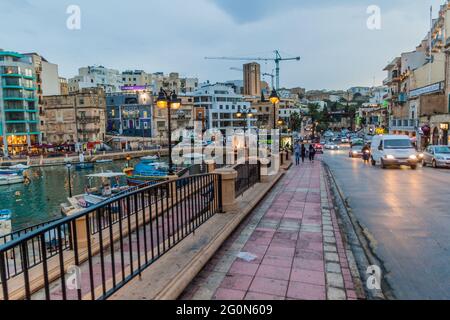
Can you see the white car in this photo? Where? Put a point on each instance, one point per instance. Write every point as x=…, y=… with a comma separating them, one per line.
x=331, y=146
x=397, y=150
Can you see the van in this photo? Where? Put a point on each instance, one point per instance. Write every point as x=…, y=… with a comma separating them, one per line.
x=389, y=150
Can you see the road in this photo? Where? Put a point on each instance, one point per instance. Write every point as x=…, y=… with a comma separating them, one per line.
x=408, y=214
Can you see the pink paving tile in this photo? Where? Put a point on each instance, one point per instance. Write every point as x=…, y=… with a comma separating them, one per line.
x=315, y=265
x=280, y=251
x=277, y=261
x=273, y=272
x=303, y=291
x=261, y=296
x=243, y=268
x=309, y=254
x=269, y=286
x=254, y=248
x=229, y=294
x=284, y=243
x=237, y=282
x=308, y=276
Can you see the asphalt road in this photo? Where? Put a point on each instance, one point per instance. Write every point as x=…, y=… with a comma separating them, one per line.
x=408, y=215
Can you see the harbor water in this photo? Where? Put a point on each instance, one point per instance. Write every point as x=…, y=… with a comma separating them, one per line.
x=40, y=200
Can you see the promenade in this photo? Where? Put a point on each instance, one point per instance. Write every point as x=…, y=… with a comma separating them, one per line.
x=290, y=247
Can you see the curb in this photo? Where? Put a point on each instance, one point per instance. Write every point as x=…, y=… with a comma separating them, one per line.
x=355, y=236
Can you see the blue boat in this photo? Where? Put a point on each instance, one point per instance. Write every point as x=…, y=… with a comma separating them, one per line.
x=146, y=171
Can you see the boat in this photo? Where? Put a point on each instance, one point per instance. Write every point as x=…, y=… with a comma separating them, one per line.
x=7, y=171
x=20, y=167
x=12, y=178
x=150, y=158
x=5, y=222
x=84, y=166
x=148, y=170
x=102, y=187
x=104, y=161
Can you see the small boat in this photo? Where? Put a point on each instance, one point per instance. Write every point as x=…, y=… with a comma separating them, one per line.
x=104, y=161
x=150, y=158
x=5, y=222
x=8, y=179
x=147, y=171
x=102, y=186
x=84, y=166
x=7, y=171
x=20, y=167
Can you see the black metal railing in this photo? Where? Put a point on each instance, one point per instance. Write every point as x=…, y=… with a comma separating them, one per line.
x=131, y=233
x=247, y=176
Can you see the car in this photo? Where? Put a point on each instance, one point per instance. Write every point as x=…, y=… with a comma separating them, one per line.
x=345, y=140
x=356, y=151
x=318, y=147
x=437, y=157
x=397, y=150
x=331, y=146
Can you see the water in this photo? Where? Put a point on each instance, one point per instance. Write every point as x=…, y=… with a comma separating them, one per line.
x=40, y=200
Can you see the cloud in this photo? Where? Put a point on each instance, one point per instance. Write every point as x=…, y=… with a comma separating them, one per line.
x=337, y=49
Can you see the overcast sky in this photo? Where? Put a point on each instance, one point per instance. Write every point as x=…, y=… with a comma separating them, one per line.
x=336, y=47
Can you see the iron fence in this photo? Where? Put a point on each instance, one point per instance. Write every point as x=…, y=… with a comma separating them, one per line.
x=109, y=244
x=247, y=176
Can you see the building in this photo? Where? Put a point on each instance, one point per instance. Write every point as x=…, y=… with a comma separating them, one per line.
x=183, y=118
x=136, y=78
x=76, y=118
x=19, y=117
x=129, y=113
x=109, y=80
x=64, y=86
x=237, y=85
x=47, y=81
x=252, y=79
x=173, y=82
x=220, y=104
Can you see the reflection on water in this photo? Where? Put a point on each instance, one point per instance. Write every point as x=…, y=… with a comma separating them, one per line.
x=40, y=200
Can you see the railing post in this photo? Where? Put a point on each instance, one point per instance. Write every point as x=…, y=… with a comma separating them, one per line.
x=228, y=185
x=211, y=165
x=81, y=234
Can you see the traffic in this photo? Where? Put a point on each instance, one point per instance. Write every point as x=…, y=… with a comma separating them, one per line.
x=385, y=151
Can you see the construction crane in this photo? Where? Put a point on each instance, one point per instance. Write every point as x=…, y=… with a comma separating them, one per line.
x=277, y=61
x=271, y=75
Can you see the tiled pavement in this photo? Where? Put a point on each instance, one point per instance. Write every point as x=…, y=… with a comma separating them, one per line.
x=296, y=244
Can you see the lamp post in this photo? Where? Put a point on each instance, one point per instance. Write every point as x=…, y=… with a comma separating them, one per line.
x=248, y=113
x=274, y=99
x=68, y=166
x=168, y=101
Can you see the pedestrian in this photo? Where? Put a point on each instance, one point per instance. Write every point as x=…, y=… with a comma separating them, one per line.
x=298, y=151
x=303, y=151
x=312, y=153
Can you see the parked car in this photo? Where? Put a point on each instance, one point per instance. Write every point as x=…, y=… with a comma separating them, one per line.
x=395, y=150
x=437, y=156
x=331, y=146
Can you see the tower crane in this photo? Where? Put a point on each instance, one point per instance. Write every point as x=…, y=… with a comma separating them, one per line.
x=277, y=61
x=271, y=75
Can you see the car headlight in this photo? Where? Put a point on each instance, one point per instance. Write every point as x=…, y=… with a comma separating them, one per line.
x=390, y=157
x=355, y=152
x=413, y=157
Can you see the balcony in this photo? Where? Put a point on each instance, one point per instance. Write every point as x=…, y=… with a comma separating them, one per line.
x=88, y=120
x=404, y=124
x=89, y=130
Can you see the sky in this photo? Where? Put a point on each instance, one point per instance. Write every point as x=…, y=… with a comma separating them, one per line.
x=336, y=47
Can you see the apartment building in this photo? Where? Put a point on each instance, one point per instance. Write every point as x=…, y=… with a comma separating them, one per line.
x=19, y=117
x=221, y=104
x=252, y=79
x=109, y=80
x=76, y=118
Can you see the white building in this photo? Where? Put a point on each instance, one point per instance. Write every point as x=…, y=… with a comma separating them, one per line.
x=96, y=76
x=378, y=95
x=221, y=104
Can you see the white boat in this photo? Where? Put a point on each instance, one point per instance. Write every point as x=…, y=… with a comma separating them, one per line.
x=19, y=167
x=104, y=161
x=148, y=158
x=108, y=186
x=5, y=222
x=8, y=179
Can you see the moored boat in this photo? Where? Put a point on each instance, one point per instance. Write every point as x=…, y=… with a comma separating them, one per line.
x=13, y=178
x=5, y=222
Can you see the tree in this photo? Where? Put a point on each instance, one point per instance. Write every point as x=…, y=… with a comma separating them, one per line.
x=296, y=121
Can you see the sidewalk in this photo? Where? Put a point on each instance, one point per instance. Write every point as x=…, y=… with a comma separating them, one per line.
x=296, y=245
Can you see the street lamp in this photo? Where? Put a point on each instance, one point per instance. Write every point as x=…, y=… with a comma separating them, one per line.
x=169, y=102
x=248, y=113
x=274, y=99
x=69, y=166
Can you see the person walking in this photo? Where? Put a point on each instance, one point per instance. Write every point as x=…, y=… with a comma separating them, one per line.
x=303, y=152
x=312, y=153
x=298, y=153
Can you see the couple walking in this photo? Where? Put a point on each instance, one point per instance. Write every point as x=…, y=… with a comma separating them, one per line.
x=301, y=152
